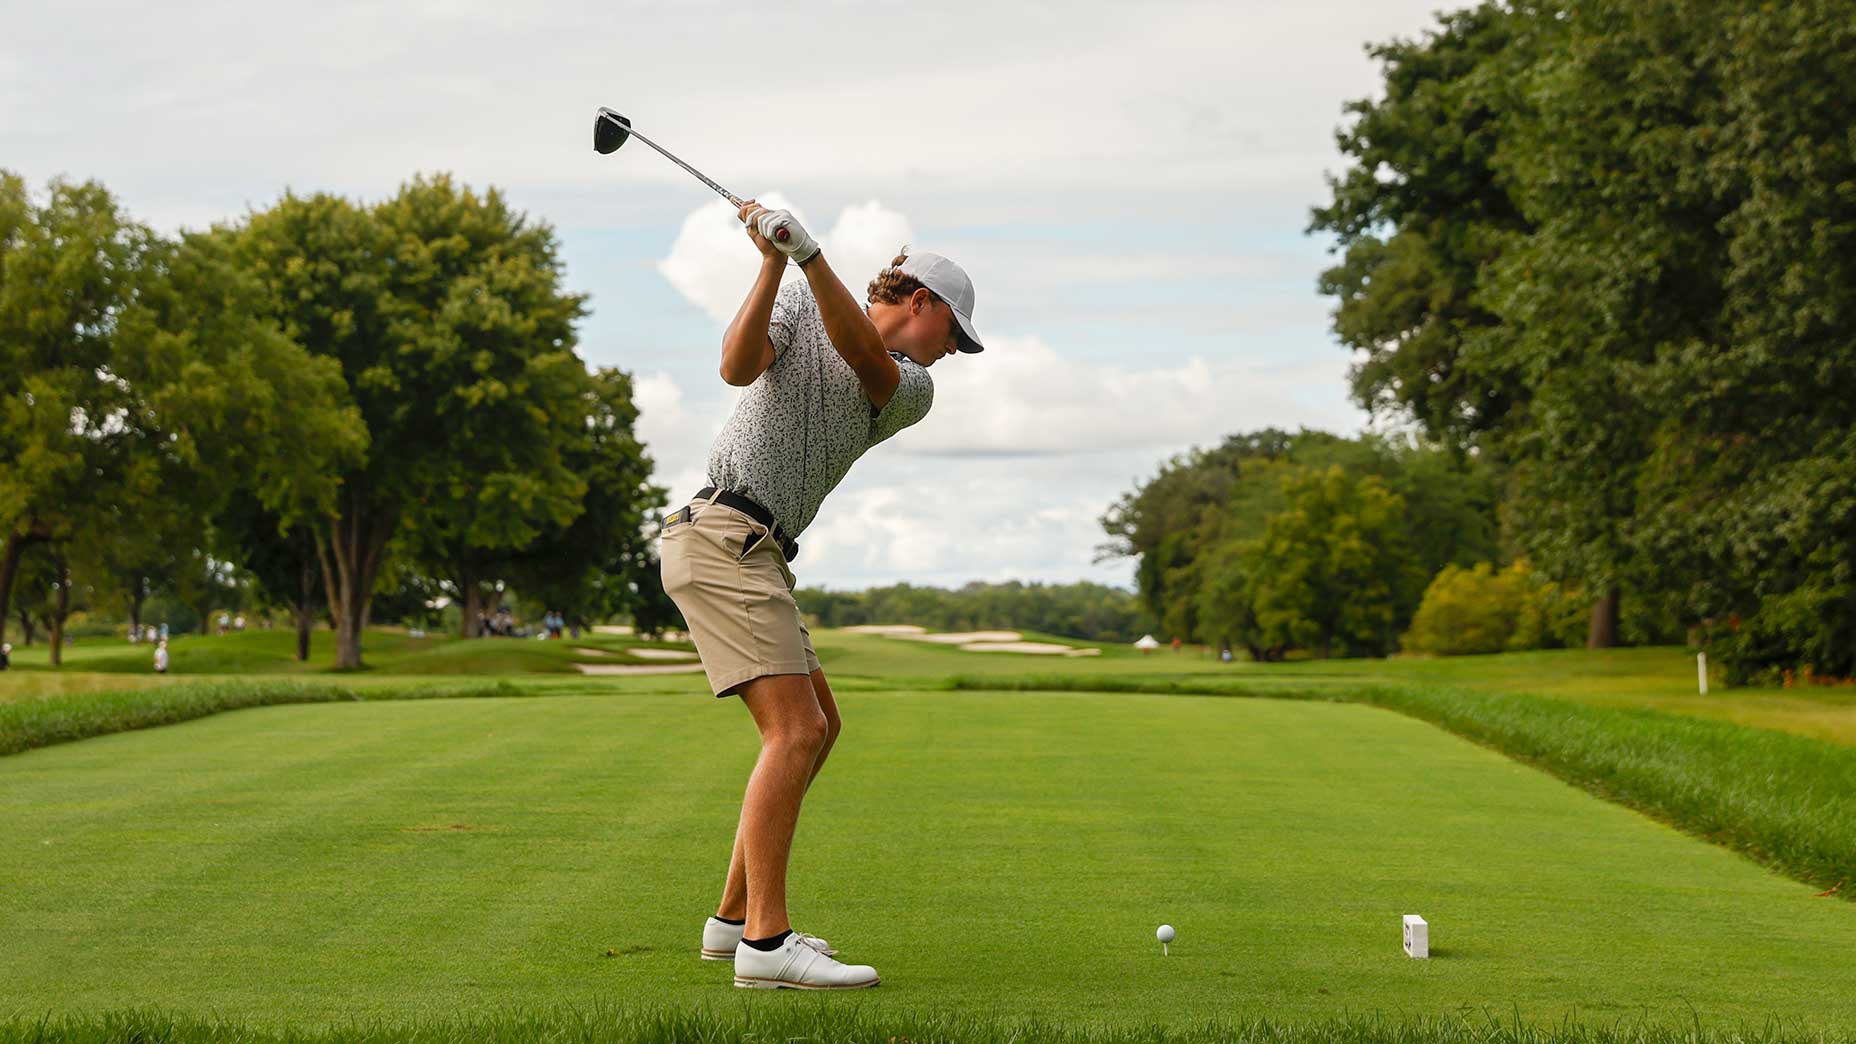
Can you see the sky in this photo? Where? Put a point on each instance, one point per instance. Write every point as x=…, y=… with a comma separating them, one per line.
x=1128, y=185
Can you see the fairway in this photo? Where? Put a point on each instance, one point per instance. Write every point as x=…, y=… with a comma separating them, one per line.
x=990, y=853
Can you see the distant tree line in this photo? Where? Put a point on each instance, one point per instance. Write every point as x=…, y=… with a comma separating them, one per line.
x=1093, y=612
x=1610, y=247
x=333, y=405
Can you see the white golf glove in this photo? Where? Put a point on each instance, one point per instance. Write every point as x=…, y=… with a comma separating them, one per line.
x=799, y=244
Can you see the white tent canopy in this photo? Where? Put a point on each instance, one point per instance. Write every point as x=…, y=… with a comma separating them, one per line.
x=1147, y=642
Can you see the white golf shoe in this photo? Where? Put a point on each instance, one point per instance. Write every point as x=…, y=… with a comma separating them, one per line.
x=719, y=939
x=796, y=965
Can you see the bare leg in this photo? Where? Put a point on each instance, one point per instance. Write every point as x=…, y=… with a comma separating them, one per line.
x=734, y=904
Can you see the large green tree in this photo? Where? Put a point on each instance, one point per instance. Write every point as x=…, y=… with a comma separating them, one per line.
x=69, y=268
x=480, y=314
x=600, y=563
x=140, y=381
x=444, y=311
x=1332, y=567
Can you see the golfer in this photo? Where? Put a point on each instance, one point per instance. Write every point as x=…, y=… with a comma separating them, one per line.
x=826, y=380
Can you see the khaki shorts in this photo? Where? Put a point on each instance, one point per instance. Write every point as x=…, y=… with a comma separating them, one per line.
x=740, y=608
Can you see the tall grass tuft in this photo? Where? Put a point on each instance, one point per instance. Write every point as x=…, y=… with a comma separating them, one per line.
x=833, y=1019
x=27, y=724
x=1787, y=801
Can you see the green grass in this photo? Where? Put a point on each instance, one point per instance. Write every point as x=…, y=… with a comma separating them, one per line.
x=831, y=1019
x=452, y=868
x=1787, y=801
x=999, y=855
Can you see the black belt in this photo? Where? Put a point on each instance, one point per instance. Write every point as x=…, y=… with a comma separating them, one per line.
x=788, y=546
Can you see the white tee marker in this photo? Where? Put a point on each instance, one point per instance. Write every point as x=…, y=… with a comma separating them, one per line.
x=1165, y=935
x=1417, y=937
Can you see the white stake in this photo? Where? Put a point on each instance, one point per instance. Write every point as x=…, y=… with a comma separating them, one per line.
x=1701, y=671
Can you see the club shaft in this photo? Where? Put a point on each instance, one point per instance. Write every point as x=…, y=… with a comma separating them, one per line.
x=730, y=196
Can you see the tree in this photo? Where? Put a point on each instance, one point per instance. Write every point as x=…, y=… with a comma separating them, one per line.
x=68, y=271
x=1750, y=488
x=323, y=263
x=49, y=593
x=280, y=557
x=601, y=562
x=444, y=311
x=1525, y=231
x=1329, y=568
x=1196, y=571
x=1419, y=216
x=476, y=296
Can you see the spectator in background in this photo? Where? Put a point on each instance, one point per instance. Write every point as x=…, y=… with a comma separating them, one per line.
x=6, y=655
x=161, y=657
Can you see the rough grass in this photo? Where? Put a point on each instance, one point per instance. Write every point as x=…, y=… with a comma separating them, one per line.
x=1787, y=801
x=27, y=724
x=384, y=651
x=831, y=1020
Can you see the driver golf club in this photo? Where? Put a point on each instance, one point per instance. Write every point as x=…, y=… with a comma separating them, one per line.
x=611, y=130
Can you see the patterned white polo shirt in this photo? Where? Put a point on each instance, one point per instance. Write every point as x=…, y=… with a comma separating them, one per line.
x=800, y=426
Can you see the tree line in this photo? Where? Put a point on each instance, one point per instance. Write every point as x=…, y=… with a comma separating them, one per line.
x=1606, y=250
x=330, y=398
x=1090, y=611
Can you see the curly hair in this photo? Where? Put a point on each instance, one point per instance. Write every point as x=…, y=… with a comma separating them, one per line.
x=893, y=287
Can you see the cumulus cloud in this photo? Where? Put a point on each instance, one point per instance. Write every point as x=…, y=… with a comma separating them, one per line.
x=1022, y=397
x=929, y=522
x=677, y=432
x=712, y=261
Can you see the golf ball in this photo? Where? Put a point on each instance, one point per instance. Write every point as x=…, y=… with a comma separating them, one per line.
x=1165, y=934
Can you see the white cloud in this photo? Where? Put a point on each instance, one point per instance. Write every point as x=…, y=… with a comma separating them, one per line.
x=1022, y=397
x=932, y=522
x=713, y=261
x=677, y=433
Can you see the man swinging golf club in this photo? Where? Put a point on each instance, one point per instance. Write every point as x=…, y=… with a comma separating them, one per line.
x=826, y=379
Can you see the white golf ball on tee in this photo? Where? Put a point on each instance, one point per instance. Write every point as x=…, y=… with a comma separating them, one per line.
x=1165, y=935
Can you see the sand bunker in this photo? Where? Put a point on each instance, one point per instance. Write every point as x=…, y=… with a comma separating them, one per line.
x=974, y=641
x=637, y=668
x=1045, y=648
x=612, y=629
x=960, y=637
x=584, y=651
x=662, y=654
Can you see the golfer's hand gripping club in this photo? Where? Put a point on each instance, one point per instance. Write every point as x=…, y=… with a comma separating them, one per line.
x=781, y=229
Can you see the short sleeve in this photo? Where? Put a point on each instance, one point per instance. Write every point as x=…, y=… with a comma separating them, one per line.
x=791, y=306
x=910, y=402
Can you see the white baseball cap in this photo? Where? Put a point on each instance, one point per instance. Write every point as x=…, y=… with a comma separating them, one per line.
x=949, y=282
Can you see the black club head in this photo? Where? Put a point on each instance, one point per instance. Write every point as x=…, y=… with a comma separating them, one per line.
x=609, y=131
